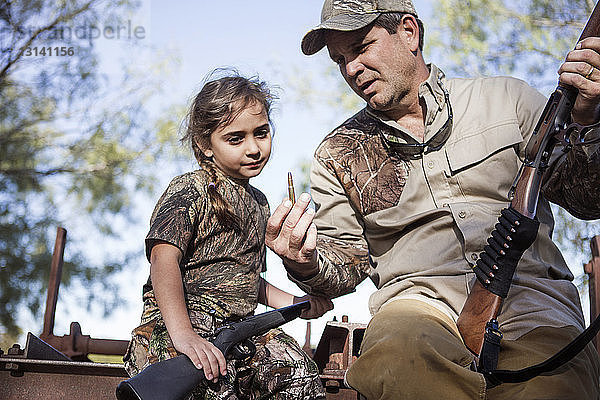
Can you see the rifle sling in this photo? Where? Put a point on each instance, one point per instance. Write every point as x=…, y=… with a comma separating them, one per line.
x=498, y=376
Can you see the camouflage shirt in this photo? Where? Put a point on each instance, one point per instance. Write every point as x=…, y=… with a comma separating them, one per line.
x=416, y=225
x=220, y=267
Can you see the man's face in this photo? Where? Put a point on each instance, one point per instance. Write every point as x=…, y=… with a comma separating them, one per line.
x=378, y=66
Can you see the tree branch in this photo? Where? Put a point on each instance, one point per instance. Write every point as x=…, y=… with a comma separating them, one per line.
x=61, y=18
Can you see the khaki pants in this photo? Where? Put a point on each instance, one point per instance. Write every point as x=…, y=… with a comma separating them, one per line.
x=411, y=350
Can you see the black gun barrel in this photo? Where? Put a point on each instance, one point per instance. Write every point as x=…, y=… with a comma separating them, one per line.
x=176, y=378
x=173, y=379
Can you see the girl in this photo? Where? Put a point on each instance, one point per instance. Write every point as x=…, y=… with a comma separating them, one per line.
x=206, y=248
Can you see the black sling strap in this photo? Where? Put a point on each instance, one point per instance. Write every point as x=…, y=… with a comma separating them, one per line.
x=498, y=376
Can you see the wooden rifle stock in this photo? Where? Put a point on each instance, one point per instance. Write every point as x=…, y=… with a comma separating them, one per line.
x=482, y=305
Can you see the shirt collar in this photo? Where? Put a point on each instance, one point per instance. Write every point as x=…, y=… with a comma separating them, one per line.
x=432, y=92
x=437, y=120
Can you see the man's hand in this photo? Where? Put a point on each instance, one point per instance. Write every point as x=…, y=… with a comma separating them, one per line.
x=292, y=235
x=580, y=70
x=318, y=306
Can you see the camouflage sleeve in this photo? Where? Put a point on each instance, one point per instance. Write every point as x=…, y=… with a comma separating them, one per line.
x=174, y=215
x=573, y=181
x=342, y=249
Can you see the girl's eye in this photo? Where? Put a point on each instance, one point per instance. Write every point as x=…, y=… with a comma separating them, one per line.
x=234, y=140
x=262, y=133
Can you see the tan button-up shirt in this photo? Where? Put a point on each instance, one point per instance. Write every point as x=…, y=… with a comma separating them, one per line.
x=415, y=225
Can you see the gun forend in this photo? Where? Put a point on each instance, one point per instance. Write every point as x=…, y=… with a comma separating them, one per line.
x=176, y=378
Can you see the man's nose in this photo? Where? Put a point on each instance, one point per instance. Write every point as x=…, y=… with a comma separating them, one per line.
x=353, y=67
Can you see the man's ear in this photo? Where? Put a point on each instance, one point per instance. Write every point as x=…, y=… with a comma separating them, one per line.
x=411, y=30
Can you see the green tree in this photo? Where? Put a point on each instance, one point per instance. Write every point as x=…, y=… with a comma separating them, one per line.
x=72, y=147
x=527, y=38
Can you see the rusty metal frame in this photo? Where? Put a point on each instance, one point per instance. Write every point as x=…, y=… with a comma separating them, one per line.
x=57, y=366
x=335, y=353
x=75, y=345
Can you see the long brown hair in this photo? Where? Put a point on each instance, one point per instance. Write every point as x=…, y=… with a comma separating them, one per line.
x=217, y=104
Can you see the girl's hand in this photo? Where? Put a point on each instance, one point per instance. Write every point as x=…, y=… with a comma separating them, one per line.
x=203, y=353
x=318, y=306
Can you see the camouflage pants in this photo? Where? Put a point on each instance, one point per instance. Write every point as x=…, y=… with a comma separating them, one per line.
x=279, y=370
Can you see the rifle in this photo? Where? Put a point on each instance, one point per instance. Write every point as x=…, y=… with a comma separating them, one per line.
x=478, y=316
x=177, y=377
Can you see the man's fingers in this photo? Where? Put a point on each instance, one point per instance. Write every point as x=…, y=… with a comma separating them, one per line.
x=589, y=56
x=310, y=242
x=295, y=214
x=275, y=221
x=299, y=233
x=580, y=68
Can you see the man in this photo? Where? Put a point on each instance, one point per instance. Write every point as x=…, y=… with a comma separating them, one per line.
x=408, y=190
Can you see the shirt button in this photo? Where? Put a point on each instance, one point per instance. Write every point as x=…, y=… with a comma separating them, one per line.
x=474, y=256
x=430, y=164
x=462, y=214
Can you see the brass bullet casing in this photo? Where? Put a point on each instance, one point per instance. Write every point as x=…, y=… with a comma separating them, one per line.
x=291, y=194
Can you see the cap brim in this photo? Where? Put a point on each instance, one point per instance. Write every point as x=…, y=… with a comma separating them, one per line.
x=314, y=40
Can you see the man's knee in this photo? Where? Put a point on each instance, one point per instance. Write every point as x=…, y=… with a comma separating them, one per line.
x=407, y=344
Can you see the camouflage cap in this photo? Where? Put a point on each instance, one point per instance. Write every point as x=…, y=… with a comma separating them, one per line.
x=349, y=15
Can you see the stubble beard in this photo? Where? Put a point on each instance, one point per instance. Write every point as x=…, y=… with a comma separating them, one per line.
x=396, y=97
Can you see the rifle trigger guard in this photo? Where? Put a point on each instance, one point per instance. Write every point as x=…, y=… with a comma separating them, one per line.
x=243, y=350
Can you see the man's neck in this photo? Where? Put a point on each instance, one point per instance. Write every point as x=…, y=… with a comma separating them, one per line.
x=411, y=111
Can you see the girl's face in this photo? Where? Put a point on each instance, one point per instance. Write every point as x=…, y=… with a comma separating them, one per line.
x=242, y=148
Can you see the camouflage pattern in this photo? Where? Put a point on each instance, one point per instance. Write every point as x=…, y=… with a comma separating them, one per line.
x=354, y=150
x=220, y=270
x=280, y=369
x=348, y=15
x=220, y=267
x=576, y=182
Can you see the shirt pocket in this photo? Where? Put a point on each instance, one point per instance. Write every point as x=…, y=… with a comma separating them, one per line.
x=484, y=163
